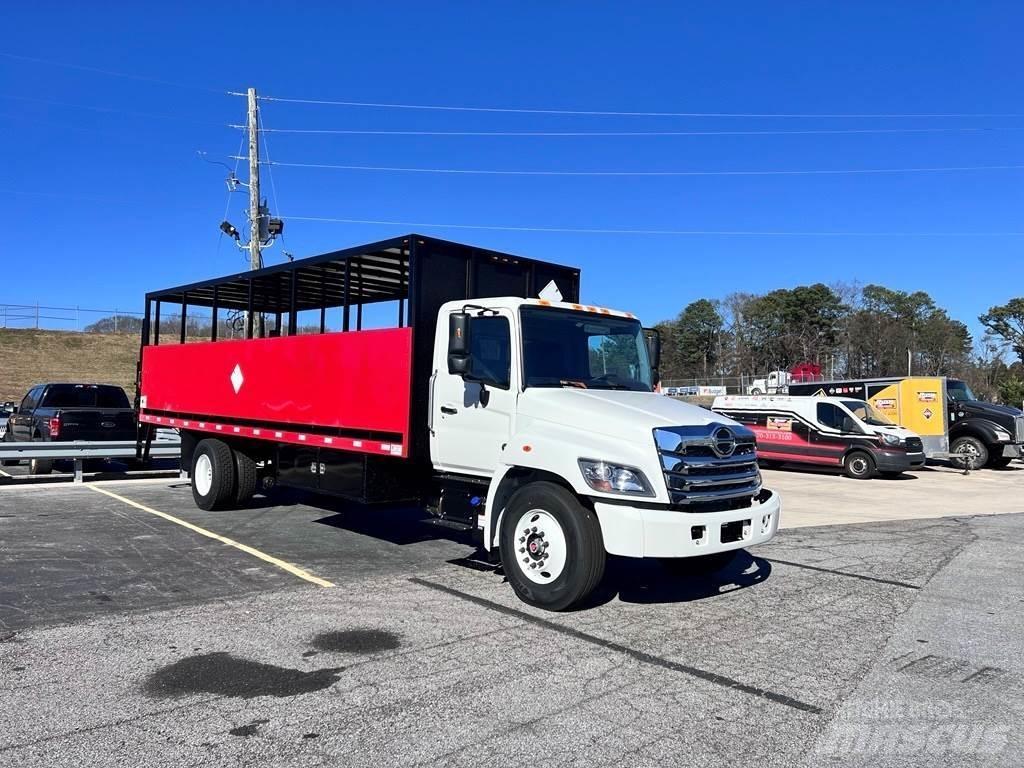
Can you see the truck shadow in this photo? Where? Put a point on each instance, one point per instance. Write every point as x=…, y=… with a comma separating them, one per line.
x=650, y=582
x=400, y=526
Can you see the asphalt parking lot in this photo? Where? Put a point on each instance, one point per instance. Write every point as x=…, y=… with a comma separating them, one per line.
x=882, y=626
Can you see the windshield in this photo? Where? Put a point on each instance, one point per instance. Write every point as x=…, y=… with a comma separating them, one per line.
x=958, y=390
x=866, y=413
x=563, y=348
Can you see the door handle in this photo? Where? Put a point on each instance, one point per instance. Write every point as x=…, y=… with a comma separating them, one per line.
x=449, y=410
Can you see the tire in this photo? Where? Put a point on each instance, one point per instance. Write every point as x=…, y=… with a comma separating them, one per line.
x=246, y=477
x=213, y=475
x=569, y=550
x=971, y=448
x=40, y=466
x=701, y=565
x=756, y=391
x=859, y=465
x=999, y=462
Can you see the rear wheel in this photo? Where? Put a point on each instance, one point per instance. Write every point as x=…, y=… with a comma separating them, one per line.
x=551, y=547
x=968, y=453
x=213, y=475
x=246, y=477
x=859, y=465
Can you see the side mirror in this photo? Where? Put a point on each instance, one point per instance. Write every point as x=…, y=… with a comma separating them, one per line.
x=653, y=338
x=460, y=362
x=849, y=425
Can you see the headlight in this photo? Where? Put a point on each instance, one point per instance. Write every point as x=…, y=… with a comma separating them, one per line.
x=889, y=439
x=614, y=478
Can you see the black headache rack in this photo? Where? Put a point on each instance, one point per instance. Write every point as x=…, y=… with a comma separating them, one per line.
x=415, y=274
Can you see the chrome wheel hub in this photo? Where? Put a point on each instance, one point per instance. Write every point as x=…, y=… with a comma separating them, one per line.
x=540, y=546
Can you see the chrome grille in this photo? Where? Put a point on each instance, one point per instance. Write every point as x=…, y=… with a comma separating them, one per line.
x=710, y=466
x=1019, y=423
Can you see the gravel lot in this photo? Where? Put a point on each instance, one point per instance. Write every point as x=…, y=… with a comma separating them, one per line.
x=882, y=626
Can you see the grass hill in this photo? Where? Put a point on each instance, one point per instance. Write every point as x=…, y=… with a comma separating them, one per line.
x=30, y=357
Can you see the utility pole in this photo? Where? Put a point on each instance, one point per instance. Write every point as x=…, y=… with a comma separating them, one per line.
x=255, y=259
x=254, y=182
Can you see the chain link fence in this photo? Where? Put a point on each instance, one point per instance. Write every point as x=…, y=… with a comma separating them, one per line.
x=46, y=317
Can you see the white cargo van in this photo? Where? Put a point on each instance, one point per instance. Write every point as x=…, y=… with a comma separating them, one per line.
x=825, y=431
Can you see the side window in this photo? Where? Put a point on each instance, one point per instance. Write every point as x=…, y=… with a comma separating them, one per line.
x=830, y=416
x=491, y=347
x=29, y=403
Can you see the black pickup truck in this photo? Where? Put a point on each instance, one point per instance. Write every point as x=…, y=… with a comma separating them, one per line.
x=64, y=412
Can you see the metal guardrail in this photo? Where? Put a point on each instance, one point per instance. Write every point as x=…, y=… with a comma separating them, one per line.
x=81, y=450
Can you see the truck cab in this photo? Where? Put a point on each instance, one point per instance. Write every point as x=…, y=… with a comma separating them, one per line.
x=982, y=434
x=552, y=405
x=776, y=382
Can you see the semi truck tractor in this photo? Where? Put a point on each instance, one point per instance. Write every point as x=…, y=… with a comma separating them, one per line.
x=492, y=396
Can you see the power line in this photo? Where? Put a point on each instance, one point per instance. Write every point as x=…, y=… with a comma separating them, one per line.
x=613, y=113
x=680, y=232
x=111, y=110
x=108, y=72
x=355, y=132
x=270, y=164
x=231, y=191
x=501, y=172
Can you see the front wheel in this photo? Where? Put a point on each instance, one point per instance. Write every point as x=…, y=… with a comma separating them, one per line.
x=40, y=466
x=968, y=453
x=213, y=475
x=551, y=547
x=859, y=465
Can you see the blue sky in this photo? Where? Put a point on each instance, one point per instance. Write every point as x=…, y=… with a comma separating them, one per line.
x=103, y=204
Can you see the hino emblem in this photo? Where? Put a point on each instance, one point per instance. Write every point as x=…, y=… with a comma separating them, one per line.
x=723, y=442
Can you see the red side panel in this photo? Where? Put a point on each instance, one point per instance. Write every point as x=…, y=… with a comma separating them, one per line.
x=357, y=381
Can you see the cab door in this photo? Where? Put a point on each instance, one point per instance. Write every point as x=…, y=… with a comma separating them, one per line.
x=19, y=425
x=471, y=419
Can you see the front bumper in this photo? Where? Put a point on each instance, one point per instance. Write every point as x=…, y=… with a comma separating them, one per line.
x=898, y=461
x=663, y=532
